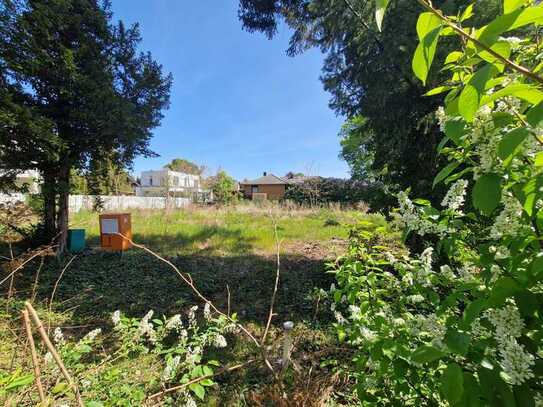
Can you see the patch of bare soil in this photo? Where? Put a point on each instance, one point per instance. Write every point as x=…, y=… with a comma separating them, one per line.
x=317, y=250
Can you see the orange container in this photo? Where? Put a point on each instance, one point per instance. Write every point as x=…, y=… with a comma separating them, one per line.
x=110, y=225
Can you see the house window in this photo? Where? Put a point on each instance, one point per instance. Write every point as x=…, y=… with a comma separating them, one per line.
x=254, y=189
x=151, y=181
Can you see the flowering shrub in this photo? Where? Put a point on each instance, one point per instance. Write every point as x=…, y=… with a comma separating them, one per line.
x=179, y=343
x=460, y=324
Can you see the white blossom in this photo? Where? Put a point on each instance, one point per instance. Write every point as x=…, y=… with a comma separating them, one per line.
x=146, y=328
x=339, y=318
x=454, y=199
x=441, y=117
x=506, y=321
x=516, y=362
x=509, y=221
x=91, y=336
x=207, y=312
x=116, y=318
x=58, y=337
x=48, y=358
x=171, y=368
x=219, y=341
x=174, y=323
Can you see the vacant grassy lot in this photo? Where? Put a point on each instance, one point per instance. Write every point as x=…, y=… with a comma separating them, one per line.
x=224, y=250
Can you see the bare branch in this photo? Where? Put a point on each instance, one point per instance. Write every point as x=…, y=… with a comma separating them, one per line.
x=35, y=363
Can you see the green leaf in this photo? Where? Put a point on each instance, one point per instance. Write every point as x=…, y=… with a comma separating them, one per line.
x=59, y=388
x=535, y=115
x=504, y=288
x=516, y=19
x=426, y=354
x=452, y=383
x=539, y=159
x=380, y=8
x=524, y=396
x=428, y=30
x=472, y=311
x=472, y=392
x=445, y=172
x=468, y=13
x=20, y=381
x=470, y=98
x=198, y=389
x=455, y=129
x=523, y=91
x=457, y=342
x=502, y=48
x=487, y=193
x=93, y=403
x=494, y=390
x=438, y=90
x=453, y=57
x=509, y=144
x=512, y=5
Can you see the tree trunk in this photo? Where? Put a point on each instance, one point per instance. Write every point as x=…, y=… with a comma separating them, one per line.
x=49, y=206
x=63, y=207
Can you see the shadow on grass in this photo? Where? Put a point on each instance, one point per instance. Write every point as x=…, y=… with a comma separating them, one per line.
x=208, y=238
x=98, y=283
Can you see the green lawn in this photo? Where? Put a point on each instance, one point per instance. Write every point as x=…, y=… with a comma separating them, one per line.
x=227, y=231
x=228, y=249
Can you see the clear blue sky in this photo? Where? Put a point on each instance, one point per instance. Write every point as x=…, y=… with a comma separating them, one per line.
x=238, y=101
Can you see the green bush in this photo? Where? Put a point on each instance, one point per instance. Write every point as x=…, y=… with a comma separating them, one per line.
x=461, y=323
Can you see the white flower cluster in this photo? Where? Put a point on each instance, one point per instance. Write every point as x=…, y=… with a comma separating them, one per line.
x=479, y=330
x=192, y=315
x=430, y=327
x=515, y=361
x=116, y=318
x=441, y=117
x=455, y=197
x=355, y=312
x=339, y=318
x=91, y=336
x=175, y=323
x=58, y=337
x=411, y=219
x=145, y=327
x=508, y=222
x=508, y=104
x=219, y=341
x=424, y=271
x=207, y=312
x=171, y=368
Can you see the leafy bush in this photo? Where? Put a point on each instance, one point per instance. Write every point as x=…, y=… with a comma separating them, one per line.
x=179, y=343
x=460, y=323
x=318, y=190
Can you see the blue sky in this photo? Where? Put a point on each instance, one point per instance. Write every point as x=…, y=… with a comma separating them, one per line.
x=238, y=101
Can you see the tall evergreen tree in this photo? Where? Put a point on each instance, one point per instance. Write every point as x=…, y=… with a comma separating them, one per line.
x=368, y=74
x=73, y=88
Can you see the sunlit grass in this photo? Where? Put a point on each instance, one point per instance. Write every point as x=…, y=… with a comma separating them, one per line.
x=234, y=230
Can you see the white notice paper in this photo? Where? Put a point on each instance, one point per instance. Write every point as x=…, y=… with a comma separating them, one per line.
x=110, y=226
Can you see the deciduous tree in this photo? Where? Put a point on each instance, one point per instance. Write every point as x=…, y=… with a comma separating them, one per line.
x=73, y=88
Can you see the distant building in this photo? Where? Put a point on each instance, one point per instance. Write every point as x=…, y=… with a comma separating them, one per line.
x=170, y=183
x=29, y=181
x=268, y=186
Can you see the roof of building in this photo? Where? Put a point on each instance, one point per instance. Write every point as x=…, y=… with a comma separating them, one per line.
x=267, y=179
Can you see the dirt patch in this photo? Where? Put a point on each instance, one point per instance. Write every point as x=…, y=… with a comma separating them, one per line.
x=317, y=250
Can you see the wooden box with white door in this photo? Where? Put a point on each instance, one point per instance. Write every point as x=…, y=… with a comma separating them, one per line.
x=112, y=225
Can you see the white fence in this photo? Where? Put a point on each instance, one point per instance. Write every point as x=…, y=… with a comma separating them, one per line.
x=12, y=198
x=111, y=203
x=115, y=203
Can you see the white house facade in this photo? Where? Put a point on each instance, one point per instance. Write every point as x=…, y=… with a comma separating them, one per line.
x=170, y=183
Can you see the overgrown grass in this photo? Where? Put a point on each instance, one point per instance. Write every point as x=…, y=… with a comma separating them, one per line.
x=227, y=231
x=227, y=249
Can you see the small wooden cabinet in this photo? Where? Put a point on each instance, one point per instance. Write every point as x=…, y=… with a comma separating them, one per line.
x=113, y=224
